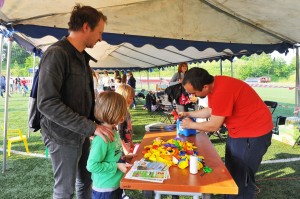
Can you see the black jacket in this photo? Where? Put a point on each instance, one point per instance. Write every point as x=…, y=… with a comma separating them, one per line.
x=66, y=95
x=131, y=82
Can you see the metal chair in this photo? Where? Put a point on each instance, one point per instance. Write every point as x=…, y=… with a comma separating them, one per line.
x=280, y=120
x=272, y=105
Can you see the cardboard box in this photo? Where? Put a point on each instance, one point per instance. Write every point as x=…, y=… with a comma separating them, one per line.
x=287, y=134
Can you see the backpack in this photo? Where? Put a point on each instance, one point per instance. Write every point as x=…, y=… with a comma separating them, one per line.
x=34, y=115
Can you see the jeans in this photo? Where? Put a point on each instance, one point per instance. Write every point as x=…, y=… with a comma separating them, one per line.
x=69, y=168
x=243, y=157
x=116, y=194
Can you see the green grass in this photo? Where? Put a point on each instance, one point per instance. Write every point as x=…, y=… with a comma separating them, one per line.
x=31, y=177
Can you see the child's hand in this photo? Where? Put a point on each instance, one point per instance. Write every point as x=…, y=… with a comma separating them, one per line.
x=129, y=157
x=123, y=167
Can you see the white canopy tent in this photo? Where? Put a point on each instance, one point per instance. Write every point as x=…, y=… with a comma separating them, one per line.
x=193, y=29
x=127, y=56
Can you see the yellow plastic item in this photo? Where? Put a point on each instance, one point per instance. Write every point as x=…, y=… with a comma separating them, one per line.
x=19, y=138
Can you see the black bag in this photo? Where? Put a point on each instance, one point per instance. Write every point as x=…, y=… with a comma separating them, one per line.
x=34, y=115
x=174, y=92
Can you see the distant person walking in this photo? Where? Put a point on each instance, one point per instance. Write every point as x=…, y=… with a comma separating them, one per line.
x=2, y=84
x=18, y=84
x=24, y=86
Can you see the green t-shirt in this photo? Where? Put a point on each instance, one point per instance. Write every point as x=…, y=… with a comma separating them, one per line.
x=102, y=163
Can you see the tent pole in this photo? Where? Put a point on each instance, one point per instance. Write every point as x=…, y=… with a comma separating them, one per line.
x=221, y=68
x=159, y=77
x=148, y=79
x=141, y=79
x=231, y=68
x=6, y=104
x=297, y=89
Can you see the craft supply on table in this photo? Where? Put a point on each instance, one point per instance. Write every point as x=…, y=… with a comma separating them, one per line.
x=193, y=164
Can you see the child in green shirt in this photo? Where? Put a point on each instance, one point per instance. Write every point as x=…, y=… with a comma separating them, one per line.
x=111, y=109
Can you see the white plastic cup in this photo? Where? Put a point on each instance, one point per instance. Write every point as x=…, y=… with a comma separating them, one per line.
x=193, y=164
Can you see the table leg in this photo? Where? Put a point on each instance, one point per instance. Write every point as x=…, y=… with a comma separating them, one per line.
x=157, y=195
x=206, y=196
x=195, y=195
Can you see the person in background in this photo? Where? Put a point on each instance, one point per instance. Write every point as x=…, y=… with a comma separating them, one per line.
x=103, y=161
x=24, y=86
x=100, y=83
x=177, y=79
x=106, y=81
x=18, y=84
x=66, y=101
x=117, y=83
x=234, y=103
x=132, y=82
x=11, y=85
x=2, y=84
x=124, y=77
x=179, y=75
x=95, y=82
x=116, y=74
x=125, y=128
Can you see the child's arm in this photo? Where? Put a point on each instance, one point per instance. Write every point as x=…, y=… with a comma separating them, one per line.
x=98, y=152
x=126, y=148
x=123, y=167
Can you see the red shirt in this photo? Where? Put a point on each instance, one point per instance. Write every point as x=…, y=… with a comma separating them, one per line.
x=246, y=114
x=23, y=82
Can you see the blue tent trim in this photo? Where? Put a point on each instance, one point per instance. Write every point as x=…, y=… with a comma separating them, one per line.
x=238, y=50
x=139, y=41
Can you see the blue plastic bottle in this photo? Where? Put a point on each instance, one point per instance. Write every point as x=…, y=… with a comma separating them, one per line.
x=185, y=132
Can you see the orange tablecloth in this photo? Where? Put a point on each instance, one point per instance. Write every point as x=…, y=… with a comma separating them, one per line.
x=219, y=181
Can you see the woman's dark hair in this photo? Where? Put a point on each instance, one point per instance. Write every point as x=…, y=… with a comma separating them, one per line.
x=197, y=77
x=85, y=14
x=117, y=74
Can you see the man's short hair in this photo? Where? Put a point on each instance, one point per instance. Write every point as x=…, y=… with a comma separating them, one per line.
x=85, y=14
x=197, y=77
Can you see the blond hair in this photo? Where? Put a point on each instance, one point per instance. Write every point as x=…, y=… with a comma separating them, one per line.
x=110, y=107
x=126, y=91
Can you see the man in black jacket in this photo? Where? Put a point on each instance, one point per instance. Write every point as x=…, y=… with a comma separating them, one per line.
x=66, y=101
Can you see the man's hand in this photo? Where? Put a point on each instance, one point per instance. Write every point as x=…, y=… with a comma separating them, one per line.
x=187, y=123
x=183, y=114
x=104, y=132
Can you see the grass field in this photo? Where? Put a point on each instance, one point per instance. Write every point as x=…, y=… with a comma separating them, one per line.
x=31, y=177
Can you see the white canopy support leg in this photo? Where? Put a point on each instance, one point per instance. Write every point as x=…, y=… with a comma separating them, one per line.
x=297, y=89
x=33, y=72
x=6, y=104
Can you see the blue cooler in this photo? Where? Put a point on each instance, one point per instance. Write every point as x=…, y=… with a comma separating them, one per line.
x=185, y=132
